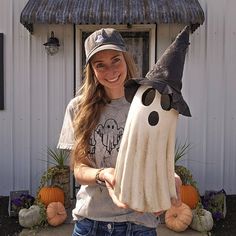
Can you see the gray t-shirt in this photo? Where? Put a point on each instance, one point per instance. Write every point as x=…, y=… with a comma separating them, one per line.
x=94, y=201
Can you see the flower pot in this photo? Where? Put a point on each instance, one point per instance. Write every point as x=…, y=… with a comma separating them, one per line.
x=62, y=179
x=14, y=195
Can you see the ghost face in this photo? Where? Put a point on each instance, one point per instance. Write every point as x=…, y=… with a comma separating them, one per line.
x=146, y=153
x=151, y=112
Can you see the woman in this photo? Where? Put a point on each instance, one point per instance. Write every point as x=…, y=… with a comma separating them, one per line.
x=93, y=128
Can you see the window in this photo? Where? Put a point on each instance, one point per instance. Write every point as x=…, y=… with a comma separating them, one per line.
x=140, y=39
x=138, y=46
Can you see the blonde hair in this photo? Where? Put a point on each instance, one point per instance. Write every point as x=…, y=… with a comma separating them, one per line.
x=88, y=110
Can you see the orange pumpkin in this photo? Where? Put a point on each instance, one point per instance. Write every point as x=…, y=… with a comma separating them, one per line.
x=178, y=218
x=189, y=195
x=56, y=213
x=51, y=194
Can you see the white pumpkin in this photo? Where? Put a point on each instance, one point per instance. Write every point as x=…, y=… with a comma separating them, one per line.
x=30, y=217
x=202, y=220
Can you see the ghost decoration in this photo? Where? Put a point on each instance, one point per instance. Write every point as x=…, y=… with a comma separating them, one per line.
x=144, y=172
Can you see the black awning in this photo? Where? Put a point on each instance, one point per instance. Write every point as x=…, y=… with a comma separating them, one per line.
x=111, y=12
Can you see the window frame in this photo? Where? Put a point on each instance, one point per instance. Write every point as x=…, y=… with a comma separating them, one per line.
x=79, y=47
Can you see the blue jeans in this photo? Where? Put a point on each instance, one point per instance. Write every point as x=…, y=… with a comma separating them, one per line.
x=88, y=227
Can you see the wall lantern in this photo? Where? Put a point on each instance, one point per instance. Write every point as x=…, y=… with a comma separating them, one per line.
x=52, y=45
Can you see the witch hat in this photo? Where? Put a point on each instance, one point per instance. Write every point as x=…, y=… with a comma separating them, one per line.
x=166, y=75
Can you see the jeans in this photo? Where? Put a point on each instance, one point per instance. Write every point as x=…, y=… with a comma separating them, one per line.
x=88, y=227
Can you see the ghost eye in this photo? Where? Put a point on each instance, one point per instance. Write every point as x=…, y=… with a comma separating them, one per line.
x=148, y=96
x=166, y=102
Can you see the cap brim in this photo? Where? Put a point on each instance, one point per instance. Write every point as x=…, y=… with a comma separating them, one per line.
x=106, y=47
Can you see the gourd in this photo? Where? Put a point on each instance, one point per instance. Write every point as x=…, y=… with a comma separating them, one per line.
x=202, y=220
x=29, y=217
x=178, y=218
x=51, y=194
x=56, y=213
x=189, y=195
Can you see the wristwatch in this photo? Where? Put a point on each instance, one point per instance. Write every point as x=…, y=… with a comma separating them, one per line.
x=98, y=180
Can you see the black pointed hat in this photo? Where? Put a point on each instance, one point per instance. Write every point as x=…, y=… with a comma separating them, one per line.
x=166, y=75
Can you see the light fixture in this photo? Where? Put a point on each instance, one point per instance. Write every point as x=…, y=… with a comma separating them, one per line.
x=52, y=45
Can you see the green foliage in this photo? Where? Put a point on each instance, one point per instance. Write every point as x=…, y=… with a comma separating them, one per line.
x=43, y=218
x=181, y=150
x=48, y=176
x=59, y=157
x=183, y=172
x=185, y=175
x=43, y=214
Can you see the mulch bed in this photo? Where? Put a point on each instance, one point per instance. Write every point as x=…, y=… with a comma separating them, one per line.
x=227, y=226
x=9, y=226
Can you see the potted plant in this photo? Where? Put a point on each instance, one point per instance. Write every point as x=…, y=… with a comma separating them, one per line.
x=58, y=175
x=202, y=219
x=18, y=200
x=189, y=191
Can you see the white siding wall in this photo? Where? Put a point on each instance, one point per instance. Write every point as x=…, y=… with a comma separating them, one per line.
x=38, y=87
x=209, y=85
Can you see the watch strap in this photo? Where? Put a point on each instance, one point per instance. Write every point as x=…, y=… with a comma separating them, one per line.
x=98, y=180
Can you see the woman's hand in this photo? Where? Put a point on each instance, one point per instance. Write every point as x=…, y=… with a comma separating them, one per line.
x=158, y=213
x=177, y=201
x=174, y=201
x=108, y=176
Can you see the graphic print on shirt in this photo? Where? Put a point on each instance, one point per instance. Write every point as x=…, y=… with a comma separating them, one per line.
x=92, y=143
x=109, y=135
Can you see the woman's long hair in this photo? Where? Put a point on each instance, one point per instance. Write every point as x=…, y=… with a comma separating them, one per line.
x=93, y=100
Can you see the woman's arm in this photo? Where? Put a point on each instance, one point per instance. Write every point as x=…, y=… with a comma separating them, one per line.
x=86, y=175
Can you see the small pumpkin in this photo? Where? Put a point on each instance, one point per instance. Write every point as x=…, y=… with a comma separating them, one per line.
x=56, y=213
x=51, y=194
x=202, y=220
x=30, y=217
x=178, y=218
x=189, y=195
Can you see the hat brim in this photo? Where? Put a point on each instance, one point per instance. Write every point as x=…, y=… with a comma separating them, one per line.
x=105, y=47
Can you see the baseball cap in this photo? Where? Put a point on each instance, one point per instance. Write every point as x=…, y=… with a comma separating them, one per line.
x=105, y=38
